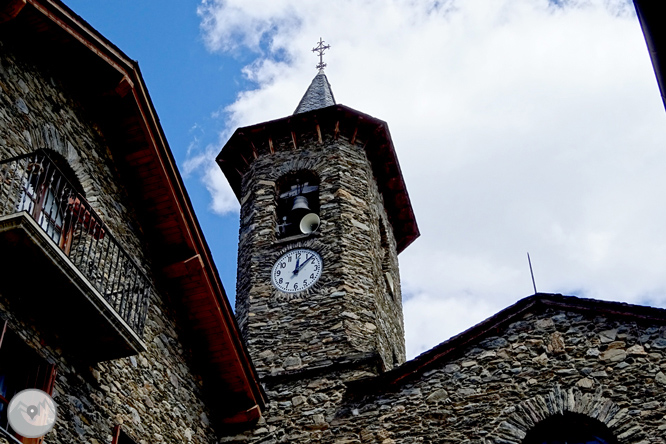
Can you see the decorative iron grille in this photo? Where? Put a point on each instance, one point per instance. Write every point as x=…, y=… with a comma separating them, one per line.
x=34, y=184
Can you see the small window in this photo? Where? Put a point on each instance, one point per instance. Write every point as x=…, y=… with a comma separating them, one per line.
x=20, y=368
x=386, y=259
x=297, y=204
x=570, y=428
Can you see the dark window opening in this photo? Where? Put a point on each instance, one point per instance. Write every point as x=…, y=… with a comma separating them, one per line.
x=297, y=204
x=570, y=428
x=386, y=259
x=120, y=437
x=20, y=368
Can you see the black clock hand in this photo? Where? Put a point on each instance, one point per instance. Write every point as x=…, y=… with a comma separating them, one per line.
x=303, y=264
x=296, y=268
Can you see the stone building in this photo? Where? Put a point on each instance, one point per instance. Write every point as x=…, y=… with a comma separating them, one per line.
x=109, y=299
x=324, y=214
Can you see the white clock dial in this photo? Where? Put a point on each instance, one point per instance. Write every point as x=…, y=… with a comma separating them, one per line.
x=296, y=270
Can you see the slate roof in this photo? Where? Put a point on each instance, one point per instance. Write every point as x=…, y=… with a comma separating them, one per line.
x=319, y=95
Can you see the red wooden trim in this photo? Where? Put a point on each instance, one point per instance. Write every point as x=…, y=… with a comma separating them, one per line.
x=119, y=433
x=11, y=9
x=245, y=417
x=144, y=129
x=96, y=43
x=49, y=379
x=116, y=434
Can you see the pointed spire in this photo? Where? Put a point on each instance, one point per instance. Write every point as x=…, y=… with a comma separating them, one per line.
x=318, y=95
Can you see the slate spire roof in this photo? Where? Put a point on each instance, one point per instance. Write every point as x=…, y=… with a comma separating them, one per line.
x=318, y=95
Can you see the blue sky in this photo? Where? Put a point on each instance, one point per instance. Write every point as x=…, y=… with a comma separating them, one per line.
x=520, y=125
x=187, y=84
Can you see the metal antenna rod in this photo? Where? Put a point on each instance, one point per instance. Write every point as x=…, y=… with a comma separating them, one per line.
x=531, y=272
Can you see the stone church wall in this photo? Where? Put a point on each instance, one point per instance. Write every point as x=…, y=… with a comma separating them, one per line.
x=612, y=370
x=609, y=369
x=155, y=395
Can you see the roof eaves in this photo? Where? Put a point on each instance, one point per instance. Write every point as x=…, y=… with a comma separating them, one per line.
x=65, y=19
x=401, y=215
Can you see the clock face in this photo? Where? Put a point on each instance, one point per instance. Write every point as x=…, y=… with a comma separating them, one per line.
x=296, y=270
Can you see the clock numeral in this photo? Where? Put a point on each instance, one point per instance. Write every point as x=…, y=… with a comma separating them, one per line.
x=308, y=269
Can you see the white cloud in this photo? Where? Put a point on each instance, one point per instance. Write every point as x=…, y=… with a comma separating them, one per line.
x=520, y=125
x=202, y=162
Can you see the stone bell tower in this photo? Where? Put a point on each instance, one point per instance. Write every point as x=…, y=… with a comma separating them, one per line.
x=324, y=214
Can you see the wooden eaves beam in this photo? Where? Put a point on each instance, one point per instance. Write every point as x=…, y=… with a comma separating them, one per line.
x=9, y=9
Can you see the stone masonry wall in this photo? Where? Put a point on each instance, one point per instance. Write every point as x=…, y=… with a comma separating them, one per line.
x=348, y=314
x=612, y=370
x=155, y=395
x=36, y=113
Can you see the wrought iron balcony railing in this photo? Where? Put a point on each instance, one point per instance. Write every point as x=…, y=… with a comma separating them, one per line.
x=34, y=184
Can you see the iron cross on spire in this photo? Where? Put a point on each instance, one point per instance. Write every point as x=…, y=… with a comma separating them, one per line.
x=320, y=48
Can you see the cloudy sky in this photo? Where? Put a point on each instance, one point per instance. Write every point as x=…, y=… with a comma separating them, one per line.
x=520, y=126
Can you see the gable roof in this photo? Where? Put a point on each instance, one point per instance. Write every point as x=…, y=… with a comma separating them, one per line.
x=318, y=94
x=110, y=87
x=456, y=345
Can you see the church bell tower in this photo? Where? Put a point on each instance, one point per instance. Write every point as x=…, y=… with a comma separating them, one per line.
x=324, y=214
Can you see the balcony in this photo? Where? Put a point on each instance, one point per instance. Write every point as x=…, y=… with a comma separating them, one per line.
x=62, y=268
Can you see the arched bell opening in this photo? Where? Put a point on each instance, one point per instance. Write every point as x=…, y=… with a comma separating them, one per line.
x=297, y=204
